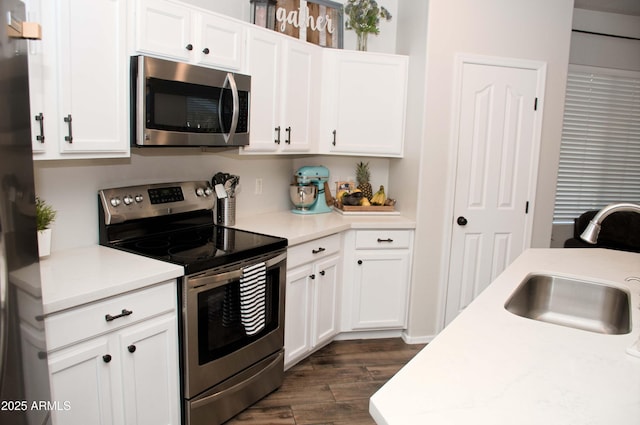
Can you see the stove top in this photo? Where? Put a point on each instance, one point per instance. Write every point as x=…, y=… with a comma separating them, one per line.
x=176, y=227
x=203, y=248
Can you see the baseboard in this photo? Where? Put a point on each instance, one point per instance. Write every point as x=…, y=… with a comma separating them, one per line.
x=344, y=336
x=416, y=339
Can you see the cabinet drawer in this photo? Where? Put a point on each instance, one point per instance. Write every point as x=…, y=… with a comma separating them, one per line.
x=313, y=250
x=383, y=239
x=90, y=320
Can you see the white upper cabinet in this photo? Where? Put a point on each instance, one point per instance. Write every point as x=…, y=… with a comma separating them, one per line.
x=182, y=32
x=285, y=89
x=79, y=75
x=363, y=104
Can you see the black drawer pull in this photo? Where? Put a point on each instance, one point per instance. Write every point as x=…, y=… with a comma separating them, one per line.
x=318, y=251
x=385, y=240
x=106, y=358
x=125, y=312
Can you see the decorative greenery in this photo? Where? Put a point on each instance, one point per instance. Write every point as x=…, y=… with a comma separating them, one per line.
x=45, y=214
x=363, y=16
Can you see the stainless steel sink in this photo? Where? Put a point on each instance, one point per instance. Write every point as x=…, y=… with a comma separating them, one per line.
x=573, y=303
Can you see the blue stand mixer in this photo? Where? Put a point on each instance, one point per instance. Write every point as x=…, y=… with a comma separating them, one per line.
x=307, y=192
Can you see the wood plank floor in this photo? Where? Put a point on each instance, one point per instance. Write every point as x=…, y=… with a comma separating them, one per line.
x=332, y=386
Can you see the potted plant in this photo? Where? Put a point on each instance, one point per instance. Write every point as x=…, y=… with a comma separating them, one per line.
x=45, y=215
x=363, y=16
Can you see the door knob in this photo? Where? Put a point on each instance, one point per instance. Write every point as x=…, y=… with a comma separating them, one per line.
x=462, y=221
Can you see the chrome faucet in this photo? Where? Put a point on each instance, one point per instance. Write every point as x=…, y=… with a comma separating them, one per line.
x=592, y=230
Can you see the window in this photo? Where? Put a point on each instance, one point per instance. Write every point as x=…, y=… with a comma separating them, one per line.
x=600, y=149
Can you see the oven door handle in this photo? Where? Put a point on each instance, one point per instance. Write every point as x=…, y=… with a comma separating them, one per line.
x=206, y=281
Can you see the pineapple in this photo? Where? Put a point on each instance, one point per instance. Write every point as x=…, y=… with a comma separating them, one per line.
x=362, y=176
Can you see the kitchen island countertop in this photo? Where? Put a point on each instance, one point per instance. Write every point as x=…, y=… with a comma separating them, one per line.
x=300, y=228
x=490, y=366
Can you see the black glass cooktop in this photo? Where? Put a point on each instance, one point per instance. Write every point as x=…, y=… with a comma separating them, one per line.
x=203, y=248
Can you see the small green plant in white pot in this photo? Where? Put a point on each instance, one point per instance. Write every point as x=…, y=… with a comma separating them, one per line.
x=45, y=215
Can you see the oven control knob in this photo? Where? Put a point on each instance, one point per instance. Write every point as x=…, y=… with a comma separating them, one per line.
x=203, y=191
x=128, y=200
x=115, y=202
x=139, y=198
x=208, y=191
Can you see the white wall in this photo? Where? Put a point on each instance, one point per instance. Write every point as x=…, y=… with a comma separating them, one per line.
x=498, y=28
x=71, y=186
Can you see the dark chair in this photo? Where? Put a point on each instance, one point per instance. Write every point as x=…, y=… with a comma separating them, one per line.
x=621, y=230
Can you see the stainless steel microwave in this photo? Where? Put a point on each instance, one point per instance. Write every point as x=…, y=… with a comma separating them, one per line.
x=178, y=104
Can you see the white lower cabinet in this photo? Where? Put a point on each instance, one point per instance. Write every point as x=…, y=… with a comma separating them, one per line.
x=376, y=276
x=312, y=297
x=118, y=370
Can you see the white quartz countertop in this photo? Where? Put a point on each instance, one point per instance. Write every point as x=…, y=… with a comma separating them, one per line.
x=299, y=228
x=492, y=367
x=82, y=275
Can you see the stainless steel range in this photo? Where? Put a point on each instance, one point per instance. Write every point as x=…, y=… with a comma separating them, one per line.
x=231, y=297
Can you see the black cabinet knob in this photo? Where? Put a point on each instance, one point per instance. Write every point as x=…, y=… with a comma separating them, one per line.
x=131, y=348
x=206, y=51
x=359, y=262
x=322, y=273
x=462, y=221
x=189, y=47
x=313, y=276
x=106, y=358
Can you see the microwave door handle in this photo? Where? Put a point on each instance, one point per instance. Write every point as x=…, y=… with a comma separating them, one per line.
x=236, y=107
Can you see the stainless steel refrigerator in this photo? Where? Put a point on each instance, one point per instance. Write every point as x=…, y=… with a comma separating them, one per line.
x=24, y=382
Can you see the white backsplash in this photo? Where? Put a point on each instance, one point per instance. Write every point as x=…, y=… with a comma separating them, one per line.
x=71, y=186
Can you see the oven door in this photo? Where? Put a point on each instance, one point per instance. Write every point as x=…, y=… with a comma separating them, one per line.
x=232, y=319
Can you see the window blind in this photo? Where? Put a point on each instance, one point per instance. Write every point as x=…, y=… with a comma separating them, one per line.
x=600, y=148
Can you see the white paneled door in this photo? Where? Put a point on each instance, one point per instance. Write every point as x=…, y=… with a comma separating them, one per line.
x=498, y=118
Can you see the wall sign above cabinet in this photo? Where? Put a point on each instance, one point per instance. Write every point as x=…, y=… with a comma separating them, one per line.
x=315, y=21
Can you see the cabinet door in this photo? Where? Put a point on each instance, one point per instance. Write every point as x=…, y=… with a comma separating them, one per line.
x=264, y=54
x=81, y=376
x=42, y=83
x=149, y=353
x=380, y=289
x=220, y=42
x=163, y=28
x=365, y=103
x=300, y=87
x=298, y=310
x=93, y=76
x=326, y=305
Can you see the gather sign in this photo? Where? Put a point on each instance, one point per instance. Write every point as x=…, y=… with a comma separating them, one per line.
x=315, y=21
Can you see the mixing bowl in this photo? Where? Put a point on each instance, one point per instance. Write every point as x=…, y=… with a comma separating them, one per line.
x=303, y=195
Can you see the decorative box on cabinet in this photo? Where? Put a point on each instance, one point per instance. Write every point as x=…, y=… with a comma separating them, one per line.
x=376, y=275
x=116, y=361
x=78, y=74
x=182, y=32
x=364, y=98
x=312, y=298
x=285, y=90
